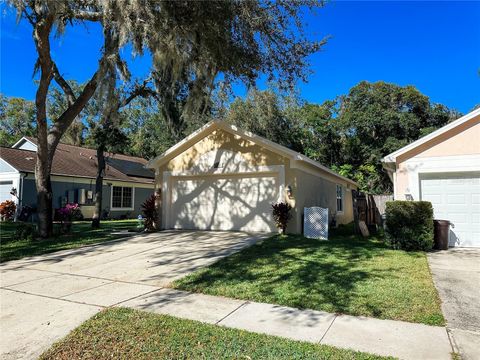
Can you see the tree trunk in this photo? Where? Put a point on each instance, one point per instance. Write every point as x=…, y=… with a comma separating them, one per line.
x=97, y=214
x=44, y=196
x=48, y=138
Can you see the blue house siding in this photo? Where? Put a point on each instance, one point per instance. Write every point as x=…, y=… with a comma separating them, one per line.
x=142, y=194
x=29, y=193
x=68, y=191
x=61, y=190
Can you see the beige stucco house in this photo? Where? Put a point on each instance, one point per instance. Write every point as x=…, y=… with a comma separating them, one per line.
x=223, y=178
x=444, y=168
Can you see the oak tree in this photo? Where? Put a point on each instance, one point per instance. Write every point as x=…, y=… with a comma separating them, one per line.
x=191, y=44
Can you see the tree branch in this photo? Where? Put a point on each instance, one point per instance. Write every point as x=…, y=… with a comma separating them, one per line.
x=64, y=85
x=87, y=15
x=62, y=123
x=142, y=91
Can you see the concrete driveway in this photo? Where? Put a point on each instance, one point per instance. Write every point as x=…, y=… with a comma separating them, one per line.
x=43, y=298
x=456, y=274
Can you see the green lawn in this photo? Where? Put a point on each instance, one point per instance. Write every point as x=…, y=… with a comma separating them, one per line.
x=119, y=333
x=346, y=274
x=82, y=234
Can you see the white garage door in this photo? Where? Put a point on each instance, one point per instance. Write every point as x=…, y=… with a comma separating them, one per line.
x=455, y=198
x=5, y=188
x=223, y=203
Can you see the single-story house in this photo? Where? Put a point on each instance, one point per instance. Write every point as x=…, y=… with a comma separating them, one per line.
x=223, y=178
x=444, y=168
x=127, y=183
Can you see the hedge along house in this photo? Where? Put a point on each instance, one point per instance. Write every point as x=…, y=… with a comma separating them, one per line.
x=224, y=178
x=127, y=183
x=444, y=168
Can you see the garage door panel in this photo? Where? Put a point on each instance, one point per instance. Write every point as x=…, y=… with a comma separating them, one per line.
x=224, y=203
x=476, y=218
x=458, y=218
x=456, y=198
x=5, y=188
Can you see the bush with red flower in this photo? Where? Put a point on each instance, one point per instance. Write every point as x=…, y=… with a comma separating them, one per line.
x=67, y=214
x=7, y=210
x=281, y=215
x=149, y=210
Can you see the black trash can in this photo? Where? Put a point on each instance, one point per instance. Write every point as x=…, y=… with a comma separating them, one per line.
x=441, y=229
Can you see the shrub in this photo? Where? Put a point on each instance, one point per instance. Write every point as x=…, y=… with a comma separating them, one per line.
x=25, y=213
x=281, y=215
x=7, y=210
x=149, y=211
x=24, y=231
x=70, y=212
x=409, y=225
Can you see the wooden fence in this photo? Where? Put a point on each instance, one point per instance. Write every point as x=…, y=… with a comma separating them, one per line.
x=369, y=209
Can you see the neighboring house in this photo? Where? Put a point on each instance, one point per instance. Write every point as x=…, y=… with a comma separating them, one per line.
x=127, y=183
x=223, y=178
x=444, y=168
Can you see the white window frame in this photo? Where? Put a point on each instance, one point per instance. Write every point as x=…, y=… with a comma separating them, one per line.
x=342, y=198
x=122, y=208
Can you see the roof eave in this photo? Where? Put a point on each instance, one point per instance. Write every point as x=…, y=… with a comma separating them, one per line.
x=165, y=157
x=270, y=145
x=14, y=146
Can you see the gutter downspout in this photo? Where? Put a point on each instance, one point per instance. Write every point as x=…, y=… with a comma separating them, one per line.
x=20, y=195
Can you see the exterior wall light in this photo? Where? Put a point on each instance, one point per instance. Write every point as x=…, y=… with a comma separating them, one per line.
x=289, y=191
x=408, y=195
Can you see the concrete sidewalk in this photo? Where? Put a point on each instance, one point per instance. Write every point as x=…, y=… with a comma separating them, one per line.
x=383, y=337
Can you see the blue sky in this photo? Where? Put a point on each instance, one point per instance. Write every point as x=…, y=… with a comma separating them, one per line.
x=434, y=46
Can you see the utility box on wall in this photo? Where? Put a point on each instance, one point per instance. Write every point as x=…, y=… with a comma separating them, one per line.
x=315, y=224
x=82, y=198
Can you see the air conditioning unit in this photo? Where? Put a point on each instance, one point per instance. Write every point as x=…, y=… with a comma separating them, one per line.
x=82, y=198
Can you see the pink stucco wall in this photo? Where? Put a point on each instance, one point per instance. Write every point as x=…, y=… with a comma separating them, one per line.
x=461, y=140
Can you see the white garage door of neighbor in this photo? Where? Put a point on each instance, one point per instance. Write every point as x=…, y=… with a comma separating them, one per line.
x=455, y=198
x=224, y=202
x=5, y=188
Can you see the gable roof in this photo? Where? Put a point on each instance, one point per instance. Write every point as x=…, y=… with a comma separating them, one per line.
x=261, y=141
x=472, y=116
x=76, y=161
x=25, y=140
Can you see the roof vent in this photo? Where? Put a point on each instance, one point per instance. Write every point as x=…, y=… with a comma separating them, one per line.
x=29, y=158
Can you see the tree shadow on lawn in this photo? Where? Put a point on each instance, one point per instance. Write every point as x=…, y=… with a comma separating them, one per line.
x=299, y=272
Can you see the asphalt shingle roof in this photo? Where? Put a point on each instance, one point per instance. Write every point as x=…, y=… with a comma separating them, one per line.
x=70, y=160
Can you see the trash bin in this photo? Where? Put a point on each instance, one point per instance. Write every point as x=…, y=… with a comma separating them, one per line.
x=441, y=229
